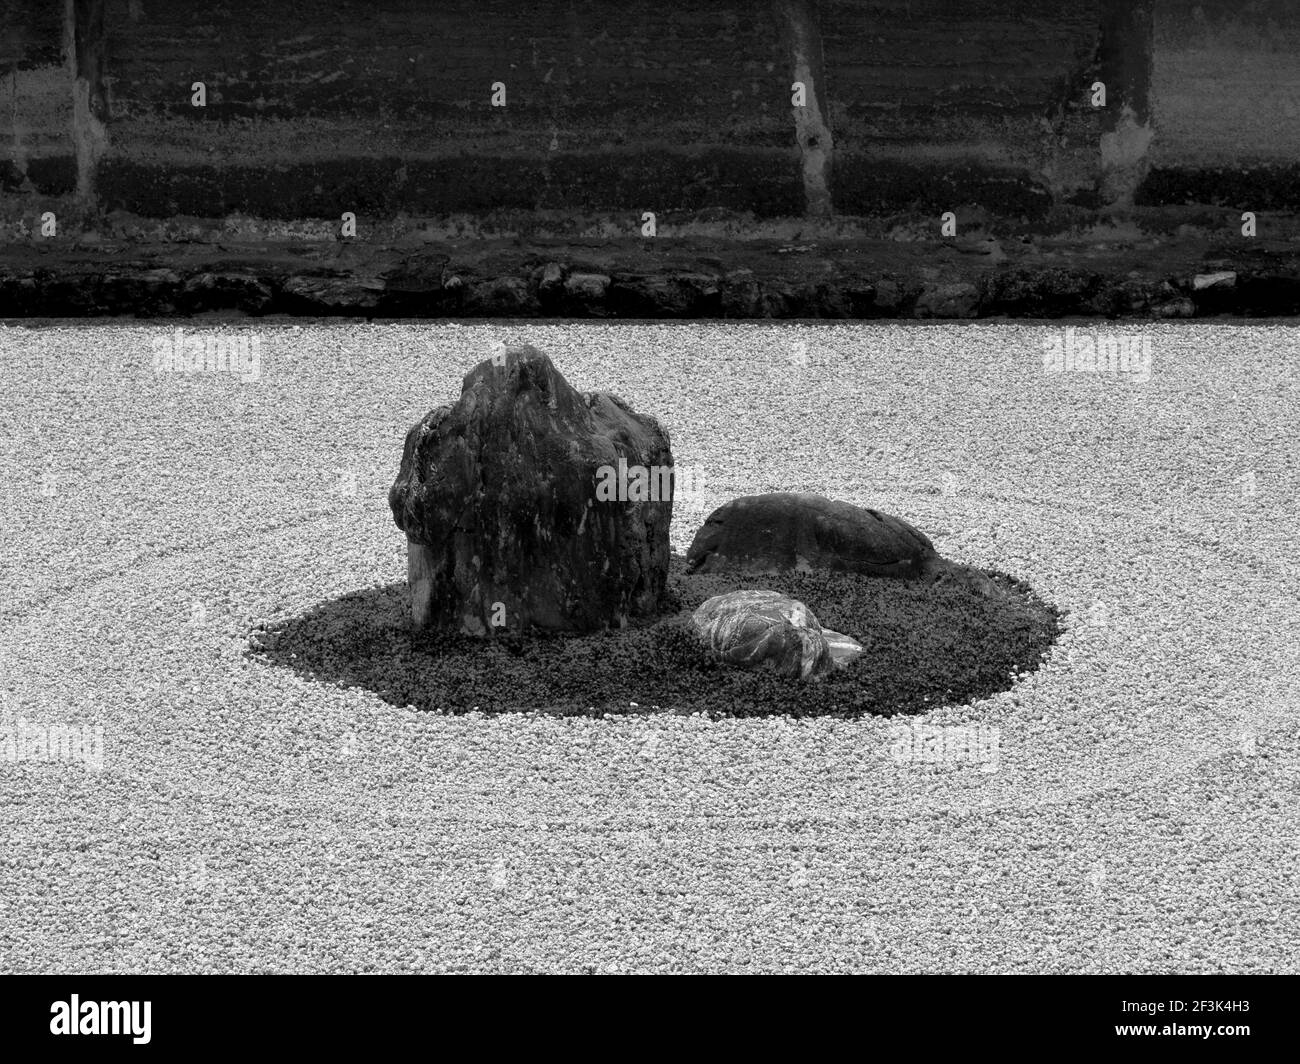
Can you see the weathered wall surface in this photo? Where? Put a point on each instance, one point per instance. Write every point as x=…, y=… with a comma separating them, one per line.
x=36, y=150
x=947, y=104
x=673, y=105
x=386, y=106
x=1226, y=94
x=1227, y=82
x=614, y=107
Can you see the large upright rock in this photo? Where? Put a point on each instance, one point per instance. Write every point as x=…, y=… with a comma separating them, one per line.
x=529, y=504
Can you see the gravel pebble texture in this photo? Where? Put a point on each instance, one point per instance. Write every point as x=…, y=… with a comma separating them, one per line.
x=1142, y=814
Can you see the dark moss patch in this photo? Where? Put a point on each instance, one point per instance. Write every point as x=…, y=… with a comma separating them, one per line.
x=659, y=181
x=11, y=178
x=925, y=646
x=1260, y=188
x=764, y=182
x=870, y=186
x=54, y=175
x=371, y=188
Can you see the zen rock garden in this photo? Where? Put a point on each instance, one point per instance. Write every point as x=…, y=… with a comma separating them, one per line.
x=534, y=511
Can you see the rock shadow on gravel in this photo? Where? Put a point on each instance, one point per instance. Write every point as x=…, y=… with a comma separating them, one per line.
x=924, y=646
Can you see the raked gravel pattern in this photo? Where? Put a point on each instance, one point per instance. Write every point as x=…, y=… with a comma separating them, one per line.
x=1142, y=812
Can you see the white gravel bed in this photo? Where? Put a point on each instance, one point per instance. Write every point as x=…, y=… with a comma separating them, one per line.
x=1142, y=814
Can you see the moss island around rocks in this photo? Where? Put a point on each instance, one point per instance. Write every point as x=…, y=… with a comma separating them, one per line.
x=924, y=646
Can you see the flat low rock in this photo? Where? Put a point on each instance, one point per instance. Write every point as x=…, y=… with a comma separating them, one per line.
x=754, y=629
x=801, y=531
x=531, y=505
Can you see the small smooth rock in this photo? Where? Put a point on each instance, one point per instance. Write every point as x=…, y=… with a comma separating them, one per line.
x=1177, y=308
x=1218, y=279
x=844, y=649
x=960, y=300
x=753, y=628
